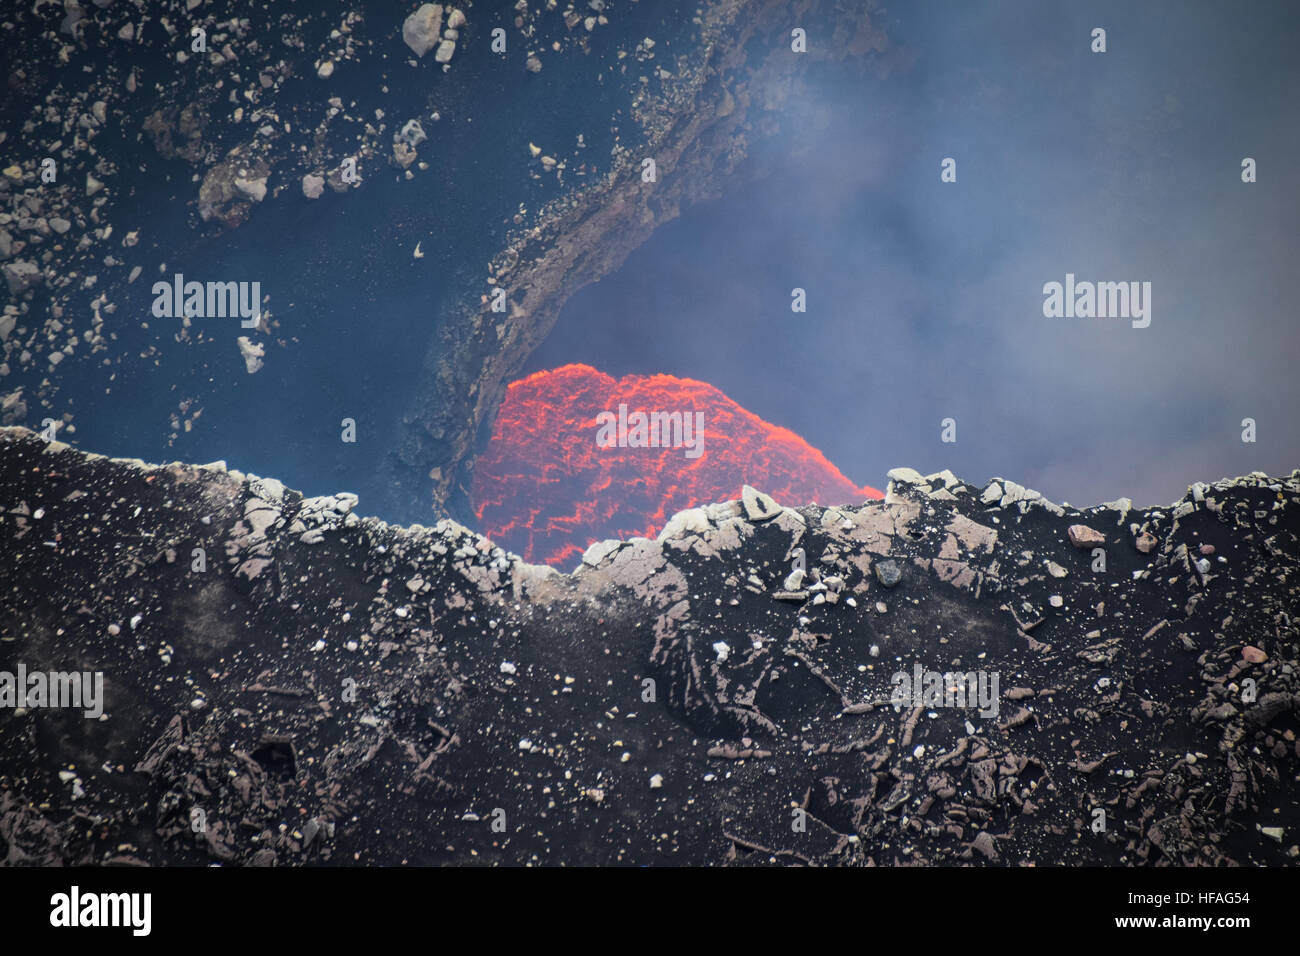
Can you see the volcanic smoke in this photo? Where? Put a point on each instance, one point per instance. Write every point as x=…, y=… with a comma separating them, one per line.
x=545, y=489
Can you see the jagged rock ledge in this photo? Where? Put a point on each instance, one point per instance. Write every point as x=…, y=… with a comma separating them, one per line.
x=314, y=686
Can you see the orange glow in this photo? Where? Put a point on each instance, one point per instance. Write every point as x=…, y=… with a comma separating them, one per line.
x=545, y=490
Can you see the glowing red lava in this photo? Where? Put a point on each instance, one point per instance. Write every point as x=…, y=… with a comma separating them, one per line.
x=545, y=489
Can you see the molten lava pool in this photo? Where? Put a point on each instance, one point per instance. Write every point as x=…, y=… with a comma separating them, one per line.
x=577, y=456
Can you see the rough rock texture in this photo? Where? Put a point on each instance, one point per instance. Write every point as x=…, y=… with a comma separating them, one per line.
x=335, y=689
x=231, y=187
x=420, y=30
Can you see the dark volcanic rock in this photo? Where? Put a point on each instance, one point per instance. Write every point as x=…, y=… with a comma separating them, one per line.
x=888, y=573
x=329, y=688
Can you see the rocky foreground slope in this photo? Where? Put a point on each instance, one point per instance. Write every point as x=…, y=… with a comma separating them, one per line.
x=289, y=683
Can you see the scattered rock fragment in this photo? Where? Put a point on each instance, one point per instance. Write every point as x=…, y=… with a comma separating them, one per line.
x=252, y=354
x=21, y=275
x=1084, y=537
x=421, y=29
x=758, y=506
x=888, y=573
